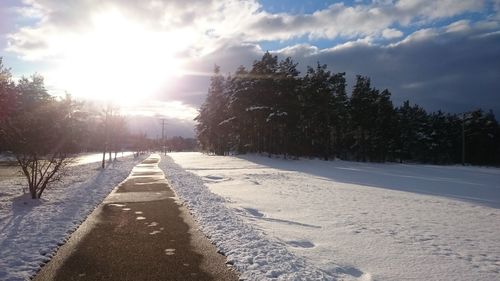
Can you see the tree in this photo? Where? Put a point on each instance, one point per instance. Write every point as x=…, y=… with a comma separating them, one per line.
x=7, y=97
x=317, y=100
x=362, y=113
x=481, y=136
x=445, y=133
x=414, y=137
x=239, y=100
x=286, y=112
x=213, y=117
x=7, y=92
x=113, y=131
x=340, y=116
x=40, y=133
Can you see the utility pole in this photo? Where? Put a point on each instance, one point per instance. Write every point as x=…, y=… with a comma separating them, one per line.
x=163, y=136
x=463, y=139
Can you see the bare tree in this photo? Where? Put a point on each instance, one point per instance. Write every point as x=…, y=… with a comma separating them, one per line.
x=114, y=129
x=42, y=141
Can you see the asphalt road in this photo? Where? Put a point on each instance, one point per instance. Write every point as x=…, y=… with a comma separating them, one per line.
x=139, y=232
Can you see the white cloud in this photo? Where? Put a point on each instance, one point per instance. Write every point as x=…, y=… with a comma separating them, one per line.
x=360, y=20
x=300, y=50
x=211, y=23
x=419, y=35
x=390, y=33
x=461, y=25
x=496, y=8
x=432, y=67
x=431, y=9
x=337, y=20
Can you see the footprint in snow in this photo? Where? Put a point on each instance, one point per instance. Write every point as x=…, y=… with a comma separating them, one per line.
x=215, y=178
x=300, y=244
x=117, y=205
x=169, y=252
x=254, y=212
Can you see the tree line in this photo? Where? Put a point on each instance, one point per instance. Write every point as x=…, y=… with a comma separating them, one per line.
x=43, y=132
x=271, y=108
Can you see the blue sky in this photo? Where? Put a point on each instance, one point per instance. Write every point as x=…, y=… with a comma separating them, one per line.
x=439, y=54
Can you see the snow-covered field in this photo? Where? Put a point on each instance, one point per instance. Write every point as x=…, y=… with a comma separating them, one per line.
x=97, y=157
x=344, y=220
x=30, y=230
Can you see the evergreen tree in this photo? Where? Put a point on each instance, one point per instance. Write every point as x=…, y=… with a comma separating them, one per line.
x=284, y=118
x=340, y=116
x=362, y=113
x=210, y=130
x=240, y=98
x=481, y=137
x=414, y=139
x=382, y=133
x=263, y=76
x=318, y=108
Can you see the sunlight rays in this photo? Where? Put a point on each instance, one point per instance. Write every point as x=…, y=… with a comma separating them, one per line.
x=126, y=61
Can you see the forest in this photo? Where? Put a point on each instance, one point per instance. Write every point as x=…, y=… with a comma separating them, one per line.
x=272, y=108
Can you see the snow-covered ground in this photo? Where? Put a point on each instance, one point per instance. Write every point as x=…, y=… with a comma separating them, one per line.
x=344, y=220
x=97, y=157
x=30, y=230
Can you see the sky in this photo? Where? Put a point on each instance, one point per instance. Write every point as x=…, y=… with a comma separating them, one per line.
x=154, y=58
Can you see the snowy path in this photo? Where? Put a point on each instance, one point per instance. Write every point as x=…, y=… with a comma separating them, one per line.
x=366, y=221
x=30, y=230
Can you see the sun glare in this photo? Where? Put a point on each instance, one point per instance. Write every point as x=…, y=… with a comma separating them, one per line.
x=120, y=60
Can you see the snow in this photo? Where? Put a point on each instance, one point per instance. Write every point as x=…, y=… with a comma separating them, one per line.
x=318, y=220
x=97, y=157
x=31, y=230
x=256, y=256
x=84, y=158
x=227, y=121
x=253, y=108
x=277, y=114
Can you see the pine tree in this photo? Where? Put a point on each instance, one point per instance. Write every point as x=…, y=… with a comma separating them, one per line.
x=382, y=133
x=414, y=139
x=263, y=75
x=362, y=113
x=240, y=98
x=340, y=116
x=318, y=108
x=211, y=131
x=285, y=116
x=481, y=137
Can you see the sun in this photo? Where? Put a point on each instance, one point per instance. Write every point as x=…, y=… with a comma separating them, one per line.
x=121, y=61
